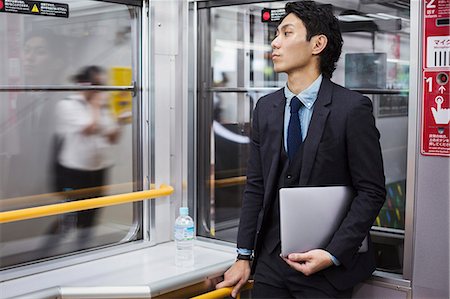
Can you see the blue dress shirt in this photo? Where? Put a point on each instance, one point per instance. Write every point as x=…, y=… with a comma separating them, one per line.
x=308, y=98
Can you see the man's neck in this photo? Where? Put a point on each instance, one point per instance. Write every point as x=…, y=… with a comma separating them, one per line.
x=299, y=81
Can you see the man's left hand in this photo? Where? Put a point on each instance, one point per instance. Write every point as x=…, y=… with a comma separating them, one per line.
x=309, y=262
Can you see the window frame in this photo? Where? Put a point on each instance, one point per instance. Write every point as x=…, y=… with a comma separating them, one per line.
x=142, y=158
x=200, y=15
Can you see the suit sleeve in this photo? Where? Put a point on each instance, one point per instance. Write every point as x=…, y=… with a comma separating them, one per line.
x=254, y=189
x=366, y=169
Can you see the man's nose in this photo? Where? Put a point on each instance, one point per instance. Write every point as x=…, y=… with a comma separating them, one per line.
x=275, y=43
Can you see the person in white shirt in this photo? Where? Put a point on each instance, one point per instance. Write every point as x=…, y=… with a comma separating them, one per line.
x=86, y=126
x=86, y=132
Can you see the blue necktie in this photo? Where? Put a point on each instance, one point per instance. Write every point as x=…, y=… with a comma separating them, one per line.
x=294, y=135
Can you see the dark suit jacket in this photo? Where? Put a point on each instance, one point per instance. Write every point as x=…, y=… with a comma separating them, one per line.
x=341, y=148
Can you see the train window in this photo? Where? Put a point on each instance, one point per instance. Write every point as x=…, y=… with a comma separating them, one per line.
x=70, y=143
x=238, y=70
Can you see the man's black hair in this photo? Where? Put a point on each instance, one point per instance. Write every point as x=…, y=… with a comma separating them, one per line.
x=88, y=74
x=319, y=19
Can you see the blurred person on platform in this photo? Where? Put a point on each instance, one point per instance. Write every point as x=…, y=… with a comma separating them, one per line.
x=85, y=134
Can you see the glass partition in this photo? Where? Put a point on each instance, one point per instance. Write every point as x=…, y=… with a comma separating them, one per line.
x=235, y=70
x=59, y=146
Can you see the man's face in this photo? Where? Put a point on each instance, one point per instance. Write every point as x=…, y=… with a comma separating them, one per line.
x=291, y=51
x=37, y=58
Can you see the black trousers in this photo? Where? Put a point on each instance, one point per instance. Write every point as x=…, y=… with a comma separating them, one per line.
x=82, y=222
x=74, y=179
x=67, y=179
x=274, y=278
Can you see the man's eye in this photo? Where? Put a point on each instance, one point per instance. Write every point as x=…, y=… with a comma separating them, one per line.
x=287, y=33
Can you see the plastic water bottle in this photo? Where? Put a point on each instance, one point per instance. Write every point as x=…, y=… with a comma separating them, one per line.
x=184, y=239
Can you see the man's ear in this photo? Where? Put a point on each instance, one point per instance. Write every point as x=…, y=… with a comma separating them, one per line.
x=319, y=43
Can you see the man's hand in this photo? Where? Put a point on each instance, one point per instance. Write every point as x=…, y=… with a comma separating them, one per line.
x=309, y=262
x=236, y=277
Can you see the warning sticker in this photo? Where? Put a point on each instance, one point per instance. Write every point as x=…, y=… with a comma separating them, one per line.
x=438, y=51
x=436, y=114
x=40, y=8
x=435, y=108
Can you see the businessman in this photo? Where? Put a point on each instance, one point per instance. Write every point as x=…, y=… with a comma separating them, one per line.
x=312, y=132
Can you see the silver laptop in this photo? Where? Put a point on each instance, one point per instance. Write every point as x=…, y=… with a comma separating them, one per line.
x=309, y=216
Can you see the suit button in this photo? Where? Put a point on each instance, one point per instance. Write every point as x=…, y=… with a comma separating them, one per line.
x=289, y=176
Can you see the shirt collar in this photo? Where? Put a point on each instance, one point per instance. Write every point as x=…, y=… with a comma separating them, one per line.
x=308, y=96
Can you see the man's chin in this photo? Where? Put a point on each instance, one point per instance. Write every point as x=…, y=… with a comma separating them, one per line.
x=278, y=69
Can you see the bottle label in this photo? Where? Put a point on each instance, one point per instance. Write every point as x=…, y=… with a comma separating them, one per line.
x=184, y=233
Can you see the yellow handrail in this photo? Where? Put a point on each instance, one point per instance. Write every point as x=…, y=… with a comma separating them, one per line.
x=223, y=292
x=85, y=204
x=14, y=203
x=239, y=180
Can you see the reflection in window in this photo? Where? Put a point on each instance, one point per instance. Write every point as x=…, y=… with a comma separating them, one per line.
x=38, y=129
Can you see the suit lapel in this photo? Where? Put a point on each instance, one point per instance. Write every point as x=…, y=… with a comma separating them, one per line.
x=276, y=123
x=275, y=134
x=315, y=129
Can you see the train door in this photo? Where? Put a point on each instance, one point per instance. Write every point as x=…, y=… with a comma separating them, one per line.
x=45, y=50
x=235, y=69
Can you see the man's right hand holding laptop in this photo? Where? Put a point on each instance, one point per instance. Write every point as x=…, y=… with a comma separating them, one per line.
x=309, y=262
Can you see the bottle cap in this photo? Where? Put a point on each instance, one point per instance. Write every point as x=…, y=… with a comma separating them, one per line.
x=184, y=211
